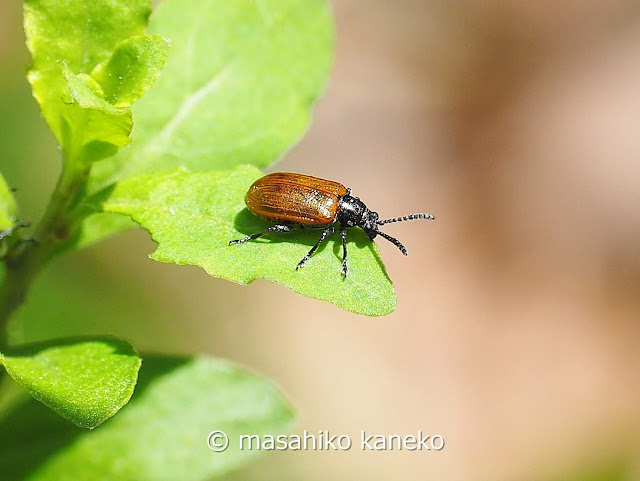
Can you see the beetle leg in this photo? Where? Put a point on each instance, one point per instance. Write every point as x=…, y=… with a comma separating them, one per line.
x=273, y=228
x=343, y=235
x=323, y=236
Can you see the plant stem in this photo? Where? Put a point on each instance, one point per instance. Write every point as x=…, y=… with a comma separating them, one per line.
x=25, y=259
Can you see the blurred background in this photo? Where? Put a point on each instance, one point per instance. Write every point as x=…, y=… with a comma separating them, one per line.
x=517, y=331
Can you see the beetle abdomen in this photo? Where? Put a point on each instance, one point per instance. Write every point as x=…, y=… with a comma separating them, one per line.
x=288, y=197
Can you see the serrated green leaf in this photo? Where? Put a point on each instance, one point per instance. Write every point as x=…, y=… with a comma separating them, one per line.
x=237, y=88
x=132, y=70
x=8, y=206
x=79, y=33
x=85, y=381
x=160, y=435
x=192, y=217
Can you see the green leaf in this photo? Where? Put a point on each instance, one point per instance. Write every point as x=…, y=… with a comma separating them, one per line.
x=192, y=217
x=88, y=94
x=132, y=69
x=160, y=435
x=82, y=35
x=237, y=88
x=85, y=381
x=8, y=207
x=93, y=129
x=90, y=115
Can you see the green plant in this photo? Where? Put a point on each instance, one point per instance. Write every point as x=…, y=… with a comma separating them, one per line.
x=166, y=120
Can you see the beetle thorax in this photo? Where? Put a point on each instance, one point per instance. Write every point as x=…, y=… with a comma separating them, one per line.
x=353, y=212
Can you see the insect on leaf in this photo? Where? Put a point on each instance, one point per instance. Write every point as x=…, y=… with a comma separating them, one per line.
x=192, y=217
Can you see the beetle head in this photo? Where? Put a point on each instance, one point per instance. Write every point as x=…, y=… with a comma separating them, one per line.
x=369, y=223
x=353, y=212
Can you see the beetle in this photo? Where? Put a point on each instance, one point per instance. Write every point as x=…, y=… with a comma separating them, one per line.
x=296, y=201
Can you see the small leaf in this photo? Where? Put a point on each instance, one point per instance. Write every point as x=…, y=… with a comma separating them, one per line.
x=85, y=381
x=192, y=217
x=132, y=69
x=82, y=34
x=237, y=88
x=8, y=207
x=160, y=435
x=91, y=121
x=87, y=93
x=93, y=129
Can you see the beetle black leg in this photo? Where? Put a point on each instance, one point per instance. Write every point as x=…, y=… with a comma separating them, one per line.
x=323, y=236
x=343, y=236
x=273, y=228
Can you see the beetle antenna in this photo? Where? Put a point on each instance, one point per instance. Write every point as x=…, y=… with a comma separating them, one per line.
x=406, y=217
x=394, y=241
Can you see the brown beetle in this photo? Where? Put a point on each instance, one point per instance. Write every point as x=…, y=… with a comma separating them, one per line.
x=296, y=201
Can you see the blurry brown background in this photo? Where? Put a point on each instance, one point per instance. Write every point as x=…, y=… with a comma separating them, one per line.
x=518, y=325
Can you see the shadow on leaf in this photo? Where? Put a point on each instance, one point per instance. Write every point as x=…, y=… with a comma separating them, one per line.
x=248, y=223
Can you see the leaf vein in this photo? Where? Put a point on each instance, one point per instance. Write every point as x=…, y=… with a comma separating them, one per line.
x=192, y=100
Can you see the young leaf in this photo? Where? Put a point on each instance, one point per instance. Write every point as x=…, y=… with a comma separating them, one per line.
x=193, y=216
x=82, y=34
x=237, y=88
x=132, y=69
x=85, y=381
x=160, y=435
x=93, y=129
x=98, y=121
x=88, y=94
x=8, y=207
